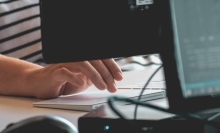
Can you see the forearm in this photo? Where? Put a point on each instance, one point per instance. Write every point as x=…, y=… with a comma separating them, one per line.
x=14, y=76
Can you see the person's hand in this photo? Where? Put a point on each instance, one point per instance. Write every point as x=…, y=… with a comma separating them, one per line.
x=70, y=78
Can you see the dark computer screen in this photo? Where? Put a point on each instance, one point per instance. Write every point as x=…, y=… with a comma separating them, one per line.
x=78, y=30
x=196, y=25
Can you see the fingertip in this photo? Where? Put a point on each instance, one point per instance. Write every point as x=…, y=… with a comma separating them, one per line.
x=101, y=85
x=118, y=76
x=102, y=89
x=112, y=90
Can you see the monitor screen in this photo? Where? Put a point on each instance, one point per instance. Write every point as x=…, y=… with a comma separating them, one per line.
x=196, y=26
x=78, y=30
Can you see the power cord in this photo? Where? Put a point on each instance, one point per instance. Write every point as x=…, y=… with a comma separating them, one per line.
x=138, y=102
x=136, y=107
x=183, y=115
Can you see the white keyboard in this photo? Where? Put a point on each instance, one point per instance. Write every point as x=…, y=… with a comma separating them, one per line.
x=154, y=85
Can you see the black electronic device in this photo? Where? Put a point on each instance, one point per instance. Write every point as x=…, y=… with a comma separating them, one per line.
x=42, y=124
x=78, y=30
x=107, y=122
x=191, y=36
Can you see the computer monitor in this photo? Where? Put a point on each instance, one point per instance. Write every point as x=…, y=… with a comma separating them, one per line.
x=185, y=32
x=78, y=30
x=192, y=56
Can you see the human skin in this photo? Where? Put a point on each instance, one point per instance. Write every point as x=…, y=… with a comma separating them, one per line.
x=21, y=78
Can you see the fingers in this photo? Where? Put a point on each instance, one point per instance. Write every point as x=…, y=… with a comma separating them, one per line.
x=105, y=74
x=63, y=74
x=102, y=73
x=88, y=70
x=114, y=69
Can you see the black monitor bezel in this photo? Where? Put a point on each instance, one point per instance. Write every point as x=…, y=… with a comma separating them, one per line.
x=177, y=101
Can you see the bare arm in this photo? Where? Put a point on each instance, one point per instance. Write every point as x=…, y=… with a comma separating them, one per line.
x=13, y=76
x=22, y=78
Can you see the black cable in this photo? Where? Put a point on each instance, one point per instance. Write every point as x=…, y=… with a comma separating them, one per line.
x=110, y=101
x=135, y=111
x=183, y=115
x=138, y=102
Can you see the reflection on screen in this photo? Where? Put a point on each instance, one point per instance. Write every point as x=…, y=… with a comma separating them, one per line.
x=197, y=30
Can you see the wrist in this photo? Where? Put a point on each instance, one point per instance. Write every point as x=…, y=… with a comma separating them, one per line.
x=31, y=81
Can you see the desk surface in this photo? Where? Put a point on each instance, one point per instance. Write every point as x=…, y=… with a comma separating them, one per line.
x=14, y=109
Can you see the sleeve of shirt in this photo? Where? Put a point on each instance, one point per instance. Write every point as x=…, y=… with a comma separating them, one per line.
x=20, y=35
